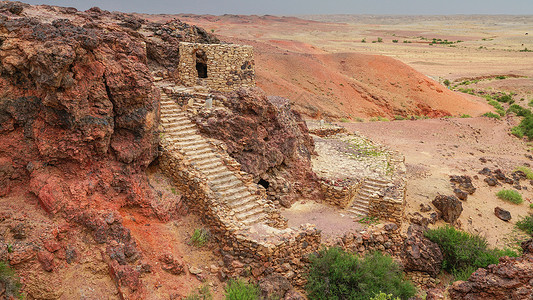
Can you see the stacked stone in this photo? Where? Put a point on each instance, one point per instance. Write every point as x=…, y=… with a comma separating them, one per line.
x=327, y=131
x=339, y=193
x=382, y=237
x=229, y=66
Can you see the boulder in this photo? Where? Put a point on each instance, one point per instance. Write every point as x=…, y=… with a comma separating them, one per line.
x=274, y=286
x=421, y=254
x=464, y=183
x=460, y=194
x=502, y=214
x=449, y=206
x=491, y=181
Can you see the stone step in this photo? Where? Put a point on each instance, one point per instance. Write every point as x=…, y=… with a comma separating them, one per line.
x=360, y=205
x=223, y=180
x=178, y=126
x=222, y=173
x=370, y=188
x=356, y=211
x=235, y=190
x=173, y=113
x=226, y=186
x=377, y=181
x=368, y=194
x=198, y=146
x=258, y=210
x=175, y=120
x=240, y=199
x=185, y=132
x=215, y=171
x=198, y=151
x=246, y=207
x=254, y=219
x=209, y=164
x=201, y=157
x=187, y=140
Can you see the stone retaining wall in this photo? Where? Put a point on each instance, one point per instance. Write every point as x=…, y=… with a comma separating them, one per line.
x=382, y=237
x=229, y=66
x=338, y=193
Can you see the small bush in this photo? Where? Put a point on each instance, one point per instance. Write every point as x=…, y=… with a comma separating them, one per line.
x=380, y=40
x=10, y=281
x=446, y=82
x=517, y=131
x=510, y=196
x=526, y=126
x=344, y=120
x=491, y=115
x=500, y=77
x=464, y=116
x=505, y=98
x=336, y=274
x=526, y=224
x=395, y=41
x=241, y=290
x=464, y=252
x=496, y=104
x=531, y=205
x=519, y=110
x=527, y=171
x=399, y=118
x=200, y=237
x=363, y=41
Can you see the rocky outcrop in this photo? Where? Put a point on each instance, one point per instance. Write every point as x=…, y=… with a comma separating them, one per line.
x=510, y=279
x=421, y=254
x=79, y=115
x=267, y=138
x=449, y=206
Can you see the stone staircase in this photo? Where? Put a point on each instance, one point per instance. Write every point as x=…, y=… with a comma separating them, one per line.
x=229, y=190
x=368, y=191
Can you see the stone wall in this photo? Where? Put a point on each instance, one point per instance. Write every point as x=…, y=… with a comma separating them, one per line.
x=229, y=66
x=339, y=192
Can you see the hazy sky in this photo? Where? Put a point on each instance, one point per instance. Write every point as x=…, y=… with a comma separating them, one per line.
x=295, y=7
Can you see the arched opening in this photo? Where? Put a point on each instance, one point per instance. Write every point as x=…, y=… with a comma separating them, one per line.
x=201, y=64
x=263, y=183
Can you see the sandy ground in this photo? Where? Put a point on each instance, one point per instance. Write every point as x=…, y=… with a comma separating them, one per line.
x=434, y=149
x=332, y=221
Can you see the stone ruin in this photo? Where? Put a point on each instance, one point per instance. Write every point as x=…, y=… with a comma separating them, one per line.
x=221, y=67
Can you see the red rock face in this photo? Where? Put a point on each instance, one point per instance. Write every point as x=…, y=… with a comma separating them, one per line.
x=267, y=138
x=78, y=119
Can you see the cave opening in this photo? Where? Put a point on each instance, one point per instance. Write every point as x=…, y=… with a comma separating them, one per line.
x=201, y=64
x=263, y=183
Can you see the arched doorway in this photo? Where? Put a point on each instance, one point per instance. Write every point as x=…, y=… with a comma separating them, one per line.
x=201, y=64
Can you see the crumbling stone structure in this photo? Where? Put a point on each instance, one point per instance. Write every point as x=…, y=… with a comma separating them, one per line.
x=221, y=67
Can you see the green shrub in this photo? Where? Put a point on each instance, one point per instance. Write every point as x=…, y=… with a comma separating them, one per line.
x=491, y=115
x=383, y=296
x=526, y=125
x=531, y=205
x=464, y=252
x=363, y=41
x=395, y=41
x=10, y=281
x=530, y=102
x=399, y=118
x=526, y=223
x=446, y=82
x=464, y=116
x=505, y=98
x=241, y=290
x=500, y=77
x=517, y=131
x=527, y=171
x=380, y=40
x=344, y=120
x=336, y=274
x=200, y=237
x=496, y=104
x=519, y=110
x=510, y=196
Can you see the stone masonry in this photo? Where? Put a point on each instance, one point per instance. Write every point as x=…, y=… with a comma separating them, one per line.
x=221, y=67
x=238, y=214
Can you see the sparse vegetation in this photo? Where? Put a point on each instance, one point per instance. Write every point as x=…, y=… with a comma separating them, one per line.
x=399, y=118
x=491, y=115
x=395, y=41
x=526, y=223
x=369, y=220
x=363, y=41
x=525, y=50
x=238, y=289
x=344, y=120
x=464, y=116
x=380, y=40
x=200, y=237
x=464, y=252
x=10, y=281
x=383, y=296
x=527, y=171
x=203, y=293
x=337, y=274
x=446, y=82
x=510, y=196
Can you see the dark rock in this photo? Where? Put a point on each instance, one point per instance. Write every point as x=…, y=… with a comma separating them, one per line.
x=433, y=217
x=502, y=214
x=425, y=207
x=483, y=160
x=449, y=206
x=499, y=175
x=508, y=180
x=460, y=194
x=419, y=219
x=274, y=286
x=421, y=254
x=491, y=181
x=464, y=183
x=19, y=231
x=485, y=171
